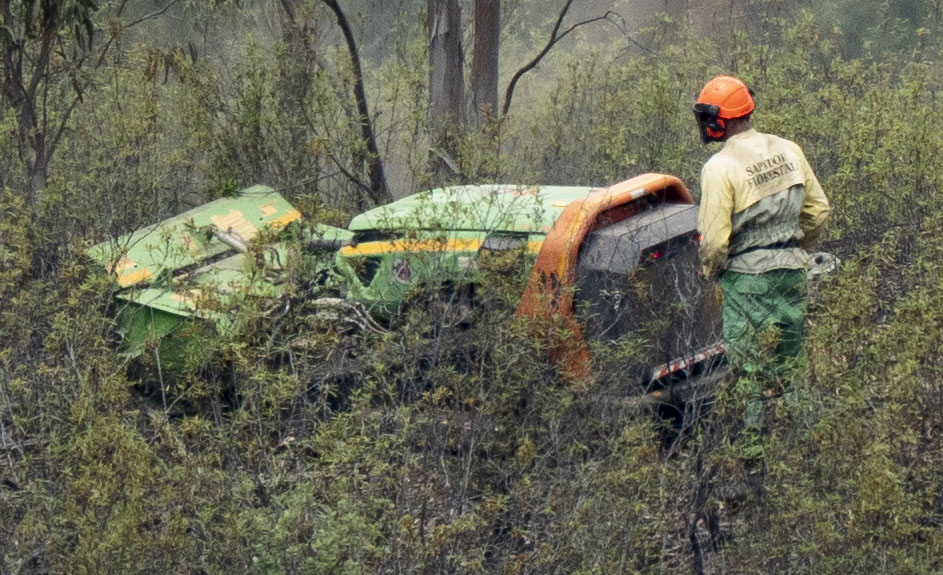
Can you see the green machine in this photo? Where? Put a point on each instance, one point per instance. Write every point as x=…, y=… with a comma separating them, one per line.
x=437, y=236
x=610, y=261
x=194, y=271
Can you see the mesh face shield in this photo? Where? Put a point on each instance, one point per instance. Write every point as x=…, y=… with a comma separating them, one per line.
x=711, y=126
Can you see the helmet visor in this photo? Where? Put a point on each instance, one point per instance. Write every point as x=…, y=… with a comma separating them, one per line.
x=706, y=113
x=711, y=127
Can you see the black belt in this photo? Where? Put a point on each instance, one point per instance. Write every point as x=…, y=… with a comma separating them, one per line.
x=793, y=243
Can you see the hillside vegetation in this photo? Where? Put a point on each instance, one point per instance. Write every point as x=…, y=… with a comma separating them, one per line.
x=300, y=448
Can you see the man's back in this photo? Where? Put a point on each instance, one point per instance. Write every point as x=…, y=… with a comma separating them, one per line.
x=756, y=191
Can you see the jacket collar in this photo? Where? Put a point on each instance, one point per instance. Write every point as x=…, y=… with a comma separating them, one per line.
x=740, y=136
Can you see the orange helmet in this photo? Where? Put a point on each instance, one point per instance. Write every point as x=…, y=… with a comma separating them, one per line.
x=723, y=98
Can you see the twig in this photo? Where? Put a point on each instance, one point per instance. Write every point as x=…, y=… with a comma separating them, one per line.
x=555, y=37
x=154, y=14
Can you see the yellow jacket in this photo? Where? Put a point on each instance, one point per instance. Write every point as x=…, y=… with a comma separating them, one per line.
x=761, y=206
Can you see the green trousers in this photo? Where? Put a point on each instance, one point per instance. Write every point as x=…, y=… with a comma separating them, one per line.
x=763, y=330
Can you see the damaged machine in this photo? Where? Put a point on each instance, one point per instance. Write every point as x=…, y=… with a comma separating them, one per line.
x=609, y=263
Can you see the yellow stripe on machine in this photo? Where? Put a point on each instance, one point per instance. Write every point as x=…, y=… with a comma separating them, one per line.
x=134, y=277
x=418, y=246
x=400, y=246
x=282, y=221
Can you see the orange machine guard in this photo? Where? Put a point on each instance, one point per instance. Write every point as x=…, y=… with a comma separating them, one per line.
x=549, y=290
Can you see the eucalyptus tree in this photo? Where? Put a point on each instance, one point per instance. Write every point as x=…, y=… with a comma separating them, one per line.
x=485, y=64
x=47, y=49
x=43, y=43
x=446, y=83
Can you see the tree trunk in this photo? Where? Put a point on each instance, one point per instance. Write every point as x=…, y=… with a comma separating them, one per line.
x=38, y=169
x=19, y=93
x=485, y=66
x=295, y=74
x=25, y=90
x=446, y=82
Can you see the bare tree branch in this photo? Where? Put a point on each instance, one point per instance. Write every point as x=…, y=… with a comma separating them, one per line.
x=555, y=37
x=54, y=144
x=379, y=192
x=154, y=14
x=333, y=158
x=623, y=27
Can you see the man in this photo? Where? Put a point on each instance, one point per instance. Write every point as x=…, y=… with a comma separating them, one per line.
x=761, y=207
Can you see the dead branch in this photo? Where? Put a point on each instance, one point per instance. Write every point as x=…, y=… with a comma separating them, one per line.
x=154, y=14
x=555, y=36
x=379, y=192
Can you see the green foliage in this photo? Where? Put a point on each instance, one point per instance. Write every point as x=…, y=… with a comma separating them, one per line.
x=305, y=447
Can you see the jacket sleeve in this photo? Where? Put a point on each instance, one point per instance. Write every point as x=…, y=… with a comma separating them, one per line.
x=714, y=218
x=815, y=207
